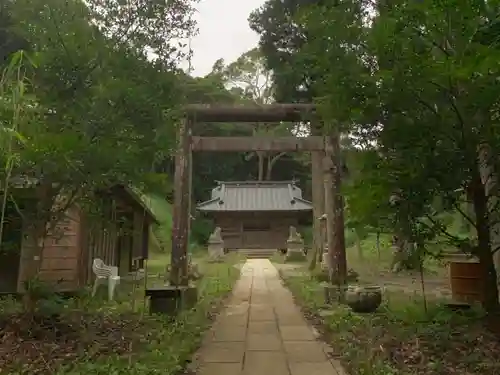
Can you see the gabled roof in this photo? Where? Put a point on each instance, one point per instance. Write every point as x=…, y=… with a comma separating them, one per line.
x=132, y=195
x=238, y=196
x=136, y=199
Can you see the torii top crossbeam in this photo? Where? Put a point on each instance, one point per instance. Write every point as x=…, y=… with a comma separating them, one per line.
x=290, y=112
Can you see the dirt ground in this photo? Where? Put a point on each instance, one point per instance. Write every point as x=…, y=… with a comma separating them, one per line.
x=41, y=344
x=375, y=269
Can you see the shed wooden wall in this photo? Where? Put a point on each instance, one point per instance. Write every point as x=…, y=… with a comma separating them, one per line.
x=133, y=242
x=268, y=230
x=100, y=239
x=61, y=254
x=78, y=239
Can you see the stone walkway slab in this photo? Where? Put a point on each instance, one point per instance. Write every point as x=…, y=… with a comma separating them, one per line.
x=223, y=352
x=262, y=331
x=263, y=341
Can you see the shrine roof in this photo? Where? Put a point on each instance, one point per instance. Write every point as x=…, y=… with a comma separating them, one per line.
x=246, y=196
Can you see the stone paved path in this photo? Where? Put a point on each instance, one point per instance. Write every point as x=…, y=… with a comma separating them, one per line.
x=261, y=331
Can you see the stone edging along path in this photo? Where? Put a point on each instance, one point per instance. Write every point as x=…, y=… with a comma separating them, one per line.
x=262, y=331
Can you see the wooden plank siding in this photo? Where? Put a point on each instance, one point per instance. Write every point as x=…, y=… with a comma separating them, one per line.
x=267, y=230
x=118, y=234
x=60, y=254
x=102, y=234
x=231, y=231
x=137, y=232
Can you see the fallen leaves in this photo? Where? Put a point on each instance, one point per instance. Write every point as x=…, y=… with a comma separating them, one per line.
x=404, y=340
x=41, y=344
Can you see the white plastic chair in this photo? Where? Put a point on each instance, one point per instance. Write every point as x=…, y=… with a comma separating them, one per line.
x=103, y=273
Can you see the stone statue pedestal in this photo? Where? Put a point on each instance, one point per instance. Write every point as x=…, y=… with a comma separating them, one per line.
x=295, y=247
x=216, y=246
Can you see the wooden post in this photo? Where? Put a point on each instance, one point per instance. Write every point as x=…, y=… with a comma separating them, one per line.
x=318, y=200
x=180, y=228
x=335, y=211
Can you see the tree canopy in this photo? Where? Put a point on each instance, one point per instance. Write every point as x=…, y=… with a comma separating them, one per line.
x=415, y=84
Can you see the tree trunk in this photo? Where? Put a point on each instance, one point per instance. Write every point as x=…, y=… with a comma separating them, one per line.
x=490, y=289
x=271, y=160
x=261, y=155
x=489, y=180
x=269, y=169
x=335, y=213
x=318, y=198
x=405, y=254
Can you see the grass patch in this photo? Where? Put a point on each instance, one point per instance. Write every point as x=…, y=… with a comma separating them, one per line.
x=160, y=238
x=89, y=336
x=402, y=337
x=373, y=260
x=373, y=266
x=280, y=258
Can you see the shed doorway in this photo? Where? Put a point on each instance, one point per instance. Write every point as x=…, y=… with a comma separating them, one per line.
x=125, y=244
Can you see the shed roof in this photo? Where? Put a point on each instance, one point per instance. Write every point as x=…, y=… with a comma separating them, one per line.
x=238, y=196
x=130, y=194
x=136, y=199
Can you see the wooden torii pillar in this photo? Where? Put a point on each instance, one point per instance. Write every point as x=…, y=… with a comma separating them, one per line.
x=182, y=204
x=315, y=144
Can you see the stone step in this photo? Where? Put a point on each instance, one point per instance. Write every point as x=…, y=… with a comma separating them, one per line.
x=257, y=253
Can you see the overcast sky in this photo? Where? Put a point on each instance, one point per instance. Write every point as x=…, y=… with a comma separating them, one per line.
x=223, y=32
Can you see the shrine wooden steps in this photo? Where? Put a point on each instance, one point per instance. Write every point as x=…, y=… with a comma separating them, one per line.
x=258, y=253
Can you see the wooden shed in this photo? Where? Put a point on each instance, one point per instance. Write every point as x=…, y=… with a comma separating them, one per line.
x=256, y=214
x=119, y=235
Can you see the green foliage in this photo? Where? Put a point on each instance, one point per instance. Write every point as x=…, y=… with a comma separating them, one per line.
x=402, y=338
x=414, y=89
x=307, y=235
x=201, y=230
x=171, y=344
x=144, y=345
x=89, y=108
x=247, y=77
x=280, y=40
x=116, y=108
x=163, y=212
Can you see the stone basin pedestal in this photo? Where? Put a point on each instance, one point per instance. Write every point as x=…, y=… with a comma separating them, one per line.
x=170, y=300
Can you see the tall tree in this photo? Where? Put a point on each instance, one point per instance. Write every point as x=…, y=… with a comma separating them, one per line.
x=100, y=112
x=281, y=39
x=249, y=78
x=417, y=80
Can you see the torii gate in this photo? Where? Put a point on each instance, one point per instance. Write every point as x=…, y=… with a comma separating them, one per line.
x=326, y=170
